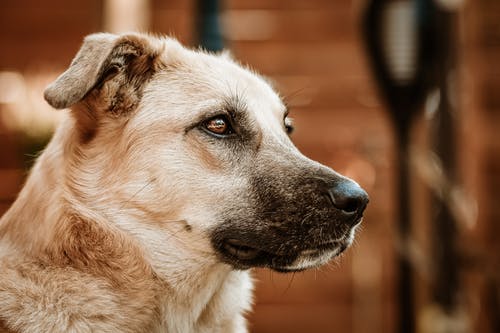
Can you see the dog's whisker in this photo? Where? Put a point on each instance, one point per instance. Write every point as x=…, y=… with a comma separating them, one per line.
x=290, y=281
x=190, y=243
x=287, y=99
x=148, y=183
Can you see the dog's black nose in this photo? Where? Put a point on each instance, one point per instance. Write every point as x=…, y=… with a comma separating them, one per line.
x=348, y=197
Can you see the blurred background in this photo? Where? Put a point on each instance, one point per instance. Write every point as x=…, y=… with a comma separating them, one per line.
x=319, y=54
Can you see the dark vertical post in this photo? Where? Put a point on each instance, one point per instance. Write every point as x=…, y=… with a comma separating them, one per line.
x=405, y=278
x=410, y=42
x=208, y=25
x=446, y=281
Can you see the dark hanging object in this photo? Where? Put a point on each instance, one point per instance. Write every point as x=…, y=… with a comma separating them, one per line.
x=400, y=43
x=208, y=25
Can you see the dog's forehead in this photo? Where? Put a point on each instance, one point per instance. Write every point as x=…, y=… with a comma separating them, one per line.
x=203, y=80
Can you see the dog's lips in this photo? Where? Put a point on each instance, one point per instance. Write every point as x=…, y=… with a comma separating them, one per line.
x=240, y=250
x=242, y=255
x=322, y=248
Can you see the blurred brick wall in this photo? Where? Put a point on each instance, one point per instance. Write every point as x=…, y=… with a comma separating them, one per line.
x=11, y=176
x=40, y=33
x=481, y=54
x=311, y=50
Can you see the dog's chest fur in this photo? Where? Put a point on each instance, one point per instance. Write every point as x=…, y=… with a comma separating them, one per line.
x=216, y=306
x=214, y=303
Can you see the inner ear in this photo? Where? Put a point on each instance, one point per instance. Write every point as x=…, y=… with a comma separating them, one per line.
x=108, y=74
x=119, y=89
x=119, y=84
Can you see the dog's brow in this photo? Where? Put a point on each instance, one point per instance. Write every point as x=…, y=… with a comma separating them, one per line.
x=235, y=104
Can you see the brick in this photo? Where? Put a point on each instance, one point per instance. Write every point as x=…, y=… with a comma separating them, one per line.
x=319, y=318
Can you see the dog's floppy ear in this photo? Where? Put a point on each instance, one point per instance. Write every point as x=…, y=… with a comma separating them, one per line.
x=83, y=73
x=126, y=59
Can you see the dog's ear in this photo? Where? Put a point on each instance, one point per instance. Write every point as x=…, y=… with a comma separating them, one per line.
x=114, y=64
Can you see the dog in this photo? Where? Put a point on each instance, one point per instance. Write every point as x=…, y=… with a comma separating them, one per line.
x=170, y=177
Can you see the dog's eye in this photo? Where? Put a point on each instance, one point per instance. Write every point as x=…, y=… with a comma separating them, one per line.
x=289, y=126
x=219, y=125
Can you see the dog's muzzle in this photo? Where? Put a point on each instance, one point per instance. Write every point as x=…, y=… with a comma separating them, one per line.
x=292, y=232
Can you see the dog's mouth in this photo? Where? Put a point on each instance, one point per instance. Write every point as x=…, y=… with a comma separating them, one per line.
x=239, y=250
x=243, y=255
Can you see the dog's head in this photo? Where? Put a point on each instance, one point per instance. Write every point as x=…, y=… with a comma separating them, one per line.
x=163, y=135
